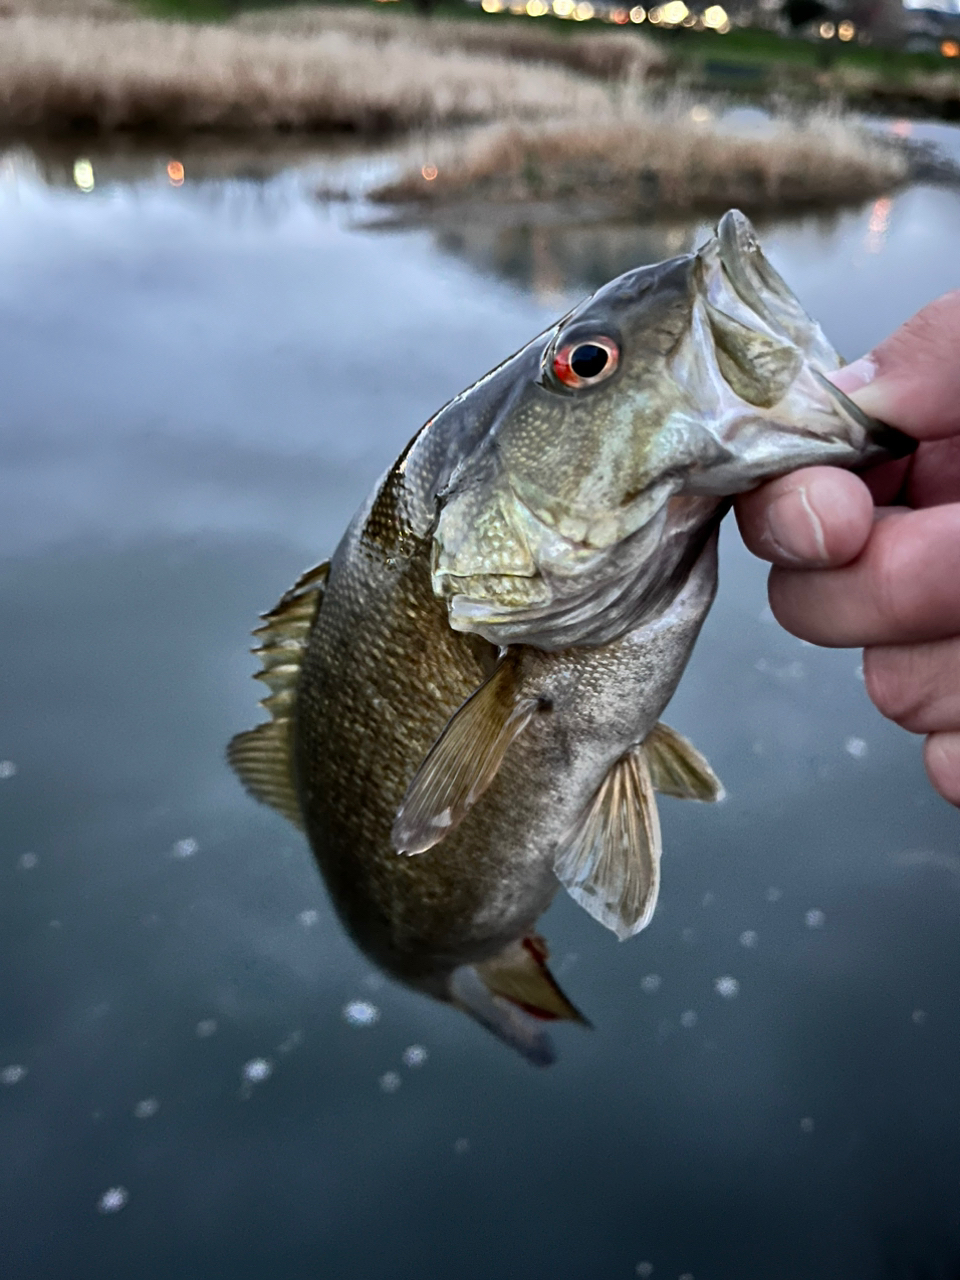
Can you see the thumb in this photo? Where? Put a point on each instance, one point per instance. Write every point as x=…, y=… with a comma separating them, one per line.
x=912, y=379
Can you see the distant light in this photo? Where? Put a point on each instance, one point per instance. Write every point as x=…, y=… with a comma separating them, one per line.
x=827, y=30
x=673, y=13
x=563, y=8
x=637, y=13
x=175, y=173
x=724, y=30
x=583, y=12
x=700, y=114
x=654, y=14
x=900, y=129
x=114, y=1198
x=536, y=8
x=491, y=6
x=619, y=16
x=846, y=30
x=83, y=175
x=714, y=17
x=726, y=986
x=361, y=1013
x=257, y=1070
x=429, y=171
x=950, y=49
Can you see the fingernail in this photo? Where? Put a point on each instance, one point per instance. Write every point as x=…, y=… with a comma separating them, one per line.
x=795, y=530
x=852, y=377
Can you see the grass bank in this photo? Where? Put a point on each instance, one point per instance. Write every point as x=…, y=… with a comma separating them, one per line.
x=663, y=160
x=60, y=74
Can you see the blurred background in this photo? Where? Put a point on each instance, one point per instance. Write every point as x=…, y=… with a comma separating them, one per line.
x=243, y=255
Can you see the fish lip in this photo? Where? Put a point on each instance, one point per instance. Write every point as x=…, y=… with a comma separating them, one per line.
x=739, y=253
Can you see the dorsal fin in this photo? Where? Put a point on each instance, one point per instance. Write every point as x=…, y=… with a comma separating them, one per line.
x=463, y=761
x=519, y=974
x=263, y=757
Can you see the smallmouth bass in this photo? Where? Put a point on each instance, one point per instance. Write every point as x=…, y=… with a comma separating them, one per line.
x=466, y=698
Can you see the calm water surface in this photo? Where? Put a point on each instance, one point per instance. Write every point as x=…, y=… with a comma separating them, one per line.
x=199, y=385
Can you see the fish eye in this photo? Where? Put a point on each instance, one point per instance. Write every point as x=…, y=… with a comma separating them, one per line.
x=585, y=362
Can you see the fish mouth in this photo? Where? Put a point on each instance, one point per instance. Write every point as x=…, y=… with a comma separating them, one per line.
x=487, y=591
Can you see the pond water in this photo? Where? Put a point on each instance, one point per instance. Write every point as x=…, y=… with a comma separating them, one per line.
x=199, y=1074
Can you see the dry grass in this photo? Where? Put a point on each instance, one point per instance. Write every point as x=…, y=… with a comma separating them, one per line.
x=604, y=54
x=62, y=73
x=660, y=160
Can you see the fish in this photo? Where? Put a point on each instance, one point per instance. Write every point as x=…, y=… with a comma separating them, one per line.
x=465, y=700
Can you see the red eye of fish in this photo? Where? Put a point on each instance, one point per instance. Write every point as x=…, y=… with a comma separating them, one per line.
x=581, y=364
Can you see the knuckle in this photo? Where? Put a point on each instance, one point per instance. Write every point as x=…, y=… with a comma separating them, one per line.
x=888, y=685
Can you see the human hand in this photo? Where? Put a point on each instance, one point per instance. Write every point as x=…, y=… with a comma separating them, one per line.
x=852, y=569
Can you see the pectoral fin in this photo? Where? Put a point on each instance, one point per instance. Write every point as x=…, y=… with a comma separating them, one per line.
x=462, y=762
x=262, y=757
x=678, y=769
x=611, y=861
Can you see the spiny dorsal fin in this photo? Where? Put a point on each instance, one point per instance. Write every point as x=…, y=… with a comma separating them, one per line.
x=263, y=757
x=519, y=973
x=463, y=761
x=677, y=767
x=611, y=861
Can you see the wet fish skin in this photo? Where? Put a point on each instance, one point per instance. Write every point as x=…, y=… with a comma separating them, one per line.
x=473, y=711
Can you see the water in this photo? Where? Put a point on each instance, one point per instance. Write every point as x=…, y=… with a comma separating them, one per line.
x=200, y=1075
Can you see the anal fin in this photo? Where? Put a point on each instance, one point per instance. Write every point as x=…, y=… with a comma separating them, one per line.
x=463, y=761
x=262, y=757
x=678, y=769
x=519, y=973
x=610, y=863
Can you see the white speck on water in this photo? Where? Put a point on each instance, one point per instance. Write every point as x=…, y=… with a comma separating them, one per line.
x=806, y=1124
x=726, y=986
x=361, y=1013
x=766, y=615
x=461, y=1146
x=293, y=1041
x=687, y=1275
x=855, y=747
x=27, y=861
x=185, y=848
x=709, y=898
x=146, y=1108
x=688, y=1018
x=774, y=895
x=7, y=769
x=12, y=1074
x=414, y=1056
x=390, y=1082
x=257, y=1070
x=651, y=983
x=113, y=1200
x=688, y=934
x=749, y=938
x=308, y=918
x=644, y=1269
x=757, y=748
x=55, y=924
x=373, y=982
x=919, y=1016
x=815, y=918
x=206, y=1027
x=859, y=673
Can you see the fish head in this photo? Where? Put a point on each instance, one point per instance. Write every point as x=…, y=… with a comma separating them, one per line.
x=624, y=432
